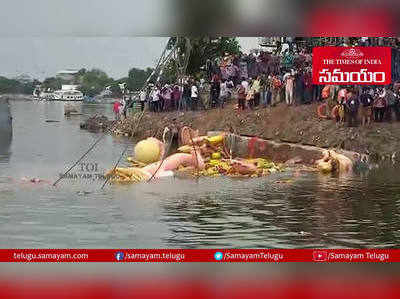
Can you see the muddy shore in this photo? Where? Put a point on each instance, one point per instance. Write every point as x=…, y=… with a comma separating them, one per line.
x=283, y=124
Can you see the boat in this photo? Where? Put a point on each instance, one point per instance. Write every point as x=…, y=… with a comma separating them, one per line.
x=67, y=93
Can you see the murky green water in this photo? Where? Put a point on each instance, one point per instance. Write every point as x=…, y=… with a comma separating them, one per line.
x=311, y=211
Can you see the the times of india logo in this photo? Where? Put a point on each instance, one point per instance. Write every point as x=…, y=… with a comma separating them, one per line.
x=348, y=66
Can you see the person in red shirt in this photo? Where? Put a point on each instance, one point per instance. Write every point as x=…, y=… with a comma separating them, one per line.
x=176, y=97
x=116, y=108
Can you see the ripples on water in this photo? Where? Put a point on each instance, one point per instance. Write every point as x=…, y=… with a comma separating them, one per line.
x=280, y=211
x=312, y=211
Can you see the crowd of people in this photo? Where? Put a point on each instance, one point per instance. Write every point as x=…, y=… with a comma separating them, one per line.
x=260, y=80
x=264, y=90
x=363, y=104
x=259, y=74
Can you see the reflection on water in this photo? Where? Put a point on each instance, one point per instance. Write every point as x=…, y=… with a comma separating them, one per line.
x=312, y=211
x=5, y=143
x=280, y=211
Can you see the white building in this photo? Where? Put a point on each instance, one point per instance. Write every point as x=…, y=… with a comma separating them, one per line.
x=67, y=75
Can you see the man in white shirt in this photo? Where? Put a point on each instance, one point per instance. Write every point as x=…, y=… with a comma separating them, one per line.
x=194, y=96
x=224, y=93
x=289, y=88
x=122, y=109
x=245, y=85
x=143, y=96
x=155, y=99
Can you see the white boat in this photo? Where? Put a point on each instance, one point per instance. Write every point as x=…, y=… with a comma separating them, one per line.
x=67, y=93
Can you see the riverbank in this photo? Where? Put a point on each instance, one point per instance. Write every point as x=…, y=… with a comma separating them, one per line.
x=283, y=210
x=298, y=124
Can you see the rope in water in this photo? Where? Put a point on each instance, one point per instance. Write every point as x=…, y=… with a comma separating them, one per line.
x=161, y=62
x=167, y=150
x=83, y=156
x=125, y=149
x=163, y=158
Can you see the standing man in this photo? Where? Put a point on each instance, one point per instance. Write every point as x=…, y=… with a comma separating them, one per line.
x=215, y=92
x=366, y=102
x=308, y=87
x=276, y=90
x=245, y=84
x=185, y=101
x=268, y=89
x=299, y=87
x=396, y=107
x=194, y=96
x=262, y=90
x=241, y=91
x=168, y=98
x=391, y=103
x=155, y=99
x=289, y=88
x=224, y=92
x=143, y=96
x=256, y=87
x=116, y=107
x=380, y=104
x=176, y=97
x=122, y=108
x=352, y=105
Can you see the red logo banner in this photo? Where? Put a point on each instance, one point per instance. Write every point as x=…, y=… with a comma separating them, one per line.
x=350, y=66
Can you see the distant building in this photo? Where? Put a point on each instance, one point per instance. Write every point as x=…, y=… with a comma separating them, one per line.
x=65, y=87
x=67, y=75
x=275, y=43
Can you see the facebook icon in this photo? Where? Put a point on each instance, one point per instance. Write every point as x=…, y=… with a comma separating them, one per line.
x=119, y=256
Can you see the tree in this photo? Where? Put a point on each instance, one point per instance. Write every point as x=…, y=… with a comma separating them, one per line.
x=204, y=48
x=137, y=78
x=16, y=87
x=52, y=83
x=82, y=71
x=93, y=82
x=8, y=85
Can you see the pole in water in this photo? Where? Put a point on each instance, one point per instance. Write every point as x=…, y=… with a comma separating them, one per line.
x=115, y=166
x=84, y=155
x=164, y=157
x=160, y=65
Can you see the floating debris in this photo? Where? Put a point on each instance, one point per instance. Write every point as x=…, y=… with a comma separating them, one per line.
x=96, y=123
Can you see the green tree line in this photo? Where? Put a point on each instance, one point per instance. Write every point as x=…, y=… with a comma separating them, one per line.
x=93, y=82
x=14, y=86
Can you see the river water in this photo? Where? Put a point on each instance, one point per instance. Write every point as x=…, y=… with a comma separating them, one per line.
x=280, y=211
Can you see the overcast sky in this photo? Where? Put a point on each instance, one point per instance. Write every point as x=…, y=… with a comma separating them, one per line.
x=41, y=57
x=41, y=37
